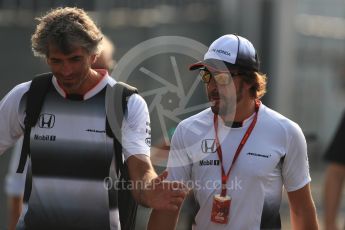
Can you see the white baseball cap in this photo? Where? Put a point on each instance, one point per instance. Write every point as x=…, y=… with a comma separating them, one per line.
x=229, y=50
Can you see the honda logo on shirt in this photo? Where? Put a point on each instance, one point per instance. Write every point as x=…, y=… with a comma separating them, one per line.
x=46, y=121
x=208, y=146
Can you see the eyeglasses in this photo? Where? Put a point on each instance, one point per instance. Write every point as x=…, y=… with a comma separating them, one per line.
x=221, y=78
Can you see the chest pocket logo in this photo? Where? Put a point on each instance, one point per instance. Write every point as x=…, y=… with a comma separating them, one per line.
x=46, y=121
x=208, y=146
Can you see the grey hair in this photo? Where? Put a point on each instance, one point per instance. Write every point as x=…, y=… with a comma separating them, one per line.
x=66, y=28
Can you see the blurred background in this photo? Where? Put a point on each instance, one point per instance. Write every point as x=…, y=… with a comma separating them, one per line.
x=301, y=44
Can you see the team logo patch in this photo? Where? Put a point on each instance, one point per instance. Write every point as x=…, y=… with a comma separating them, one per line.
x=148, y=141
x=46, y=121
x=95, y=131
x=220, y=51
x=208, y=146
x=259, y=155
x=44, y=137
x=208, y=162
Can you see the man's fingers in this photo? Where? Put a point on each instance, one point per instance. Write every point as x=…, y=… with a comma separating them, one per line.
x=167, y=195
x=176, y=185
x=163, y=175
x=171, y=207
x=176, y=201
x=179, y=193
x=160, y=178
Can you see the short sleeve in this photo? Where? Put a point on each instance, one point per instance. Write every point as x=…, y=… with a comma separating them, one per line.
x=335, y=152
x=295, y=166
x=12, y=116
x=136, y=131
x=179, y=163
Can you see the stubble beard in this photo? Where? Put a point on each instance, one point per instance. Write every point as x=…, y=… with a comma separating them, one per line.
x=230, y=104
x=75, y=87
x=229, y=107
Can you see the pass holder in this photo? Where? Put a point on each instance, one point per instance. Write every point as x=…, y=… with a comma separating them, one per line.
x=221, y=209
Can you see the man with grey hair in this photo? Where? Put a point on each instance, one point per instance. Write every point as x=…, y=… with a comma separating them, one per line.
x=15, y=182
x=71, y=152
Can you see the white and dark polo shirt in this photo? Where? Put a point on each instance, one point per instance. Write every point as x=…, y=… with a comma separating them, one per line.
x=71, y=155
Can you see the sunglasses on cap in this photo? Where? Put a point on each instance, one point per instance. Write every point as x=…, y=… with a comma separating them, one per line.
x=221, y=78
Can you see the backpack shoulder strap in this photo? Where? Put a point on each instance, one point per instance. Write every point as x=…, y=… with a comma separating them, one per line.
x=127, y=205
x=39, y=87
x=119, y=94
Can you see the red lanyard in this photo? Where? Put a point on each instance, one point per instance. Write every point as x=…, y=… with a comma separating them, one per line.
x=239, y=148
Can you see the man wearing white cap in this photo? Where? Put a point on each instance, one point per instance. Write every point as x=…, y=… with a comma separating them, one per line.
x=238, y=154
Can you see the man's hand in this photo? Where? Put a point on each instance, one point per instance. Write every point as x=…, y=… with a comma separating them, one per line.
x=164, y=195
x=153, y=191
